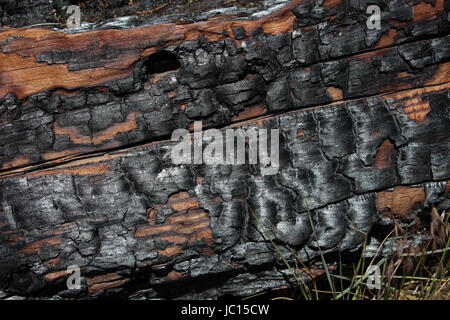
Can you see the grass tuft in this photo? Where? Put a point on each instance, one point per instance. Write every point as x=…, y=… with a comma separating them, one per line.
x=405, y=272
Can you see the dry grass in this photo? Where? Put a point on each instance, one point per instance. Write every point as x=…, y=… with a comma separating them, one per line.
x=409, y=273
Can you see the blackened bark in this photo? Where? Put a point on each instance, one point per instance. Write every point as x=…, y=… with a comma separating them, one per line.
x=92, y=93
x=87, y=177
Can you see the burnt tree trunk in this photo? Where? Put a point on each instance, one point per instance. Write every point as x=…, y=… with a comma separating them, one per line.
x=86, y=175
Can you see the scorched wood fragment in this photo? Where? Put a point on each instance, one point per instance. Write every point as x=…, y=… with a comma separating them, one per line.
x=135, y=213
x=87, y=177
x=64, y=94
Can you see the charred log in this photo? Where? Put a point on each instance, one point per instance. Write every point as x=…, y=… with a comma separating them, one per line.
x=87, y=176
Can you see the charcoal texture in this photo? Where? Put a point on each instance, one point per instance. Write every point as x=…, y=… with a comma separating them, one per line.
x=86, y=172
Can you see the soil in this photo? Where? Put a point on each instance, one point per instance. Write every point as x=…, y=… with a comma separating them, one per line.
x=19, y=14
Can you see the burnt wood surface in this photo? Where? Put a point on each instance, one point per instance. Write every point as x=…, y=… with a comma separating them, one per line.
x=86, y=176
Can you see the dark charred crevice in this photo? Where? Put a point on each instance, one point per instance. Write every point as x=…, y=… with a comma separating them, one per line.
x=161, y=62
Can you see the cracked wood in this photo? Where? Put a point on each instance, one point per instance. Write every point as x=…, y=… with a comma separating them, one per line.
x=70, y=94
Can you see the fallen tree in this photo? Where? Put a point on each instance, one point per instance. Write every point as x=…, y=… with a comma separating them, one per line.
x=87, y=177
